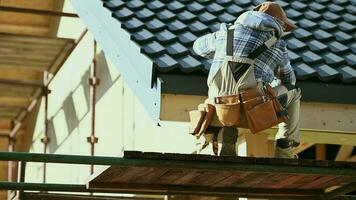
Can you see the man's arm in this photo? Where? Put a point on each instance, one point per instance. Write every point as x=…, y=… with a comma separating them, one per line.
x=286, y=72
x=205, y=46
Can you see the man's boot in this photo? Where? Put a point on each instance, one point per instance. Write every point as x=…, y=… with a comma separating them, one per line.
x=284, y=149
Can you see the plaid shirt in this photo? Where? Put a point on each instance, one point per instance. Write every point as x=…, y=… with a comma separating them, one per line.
x=249, y=34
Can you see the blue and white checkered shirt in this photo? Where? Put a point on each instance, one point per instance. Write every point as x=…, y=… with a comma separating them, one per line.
x=252, y=29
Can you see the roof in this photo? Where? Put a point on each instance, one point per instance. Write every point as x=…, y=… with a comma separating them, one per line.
x=322, y=49
x=224, y=175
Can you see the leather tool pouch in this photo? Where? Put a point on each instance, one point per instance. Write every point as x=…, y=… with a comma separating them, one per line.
x=200, y=119
x=228, y=110
x=263, y=111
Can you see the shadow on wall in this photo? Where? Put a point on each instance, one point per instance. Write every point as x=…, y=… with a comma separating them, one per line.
x=69, y=106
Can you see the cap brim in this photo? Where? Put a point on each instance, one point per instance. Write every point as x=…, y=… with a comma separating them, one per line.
x=290, y=26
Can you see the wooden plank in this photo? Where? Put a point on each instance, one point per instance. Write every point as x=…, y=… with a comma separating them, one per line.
x=16, y=38
x=336, y=117
x=319, y=181
x=14, y=101
x=42, y=65
x=302, y=147
x=61, y=57
x=33, y=49
x=15, y=91
x=9, y=112
x=344, y=153
x=26, y=75
x=233, y=178
x=24, y=29
x=320, y=151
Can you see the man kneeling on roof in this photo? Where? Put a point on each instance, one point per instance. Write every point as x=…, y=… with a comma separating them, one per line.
x=251, y=30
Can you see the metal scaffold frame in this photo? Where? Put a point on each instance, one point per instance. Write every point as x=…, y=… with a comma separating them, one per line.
x=101, y=160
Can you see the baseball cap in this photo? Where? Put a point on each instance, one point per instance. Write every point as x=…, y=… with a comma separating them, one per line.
x=277, y=12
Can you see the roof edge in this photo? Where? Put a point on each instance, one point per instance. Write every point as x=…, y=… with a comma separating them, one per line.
x=311, y=91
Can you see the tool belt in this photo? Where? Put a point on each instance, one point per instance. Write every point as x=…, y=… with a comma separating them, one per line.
x=241, y=100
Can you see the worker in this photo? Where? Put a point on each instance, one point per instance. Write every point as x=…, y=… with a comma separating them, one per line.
x=251, y=30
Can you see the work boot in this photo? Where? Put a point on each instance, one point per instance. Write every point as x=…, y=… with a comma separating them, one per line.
x=284, y=149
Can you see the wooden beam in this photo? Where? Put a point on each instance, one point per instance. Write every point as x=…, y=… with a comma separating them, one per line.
x=314, y=116
x=352, y=159
x=344, y=153
x=24, y=29
x=37, y=11
x=320, y=152
x=302, y=147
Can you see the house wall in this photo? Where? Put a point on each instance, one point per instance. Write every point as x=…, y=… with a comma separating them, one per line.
x=121, y=121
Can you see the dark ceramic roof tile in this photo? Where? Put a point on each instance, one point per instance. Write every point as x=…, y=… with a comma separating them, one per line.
x=165, y=37
x=143, y=36
x=317, y=46
x=243, y=3
x=186, y=16
x=353, y=47
x=155, y=25
x=235, y=10
x=187, y=38
x=307, y=24
x=114, y=5
x=123, y=14
x=153, y=49
x=331, y=16
x=205, y=2
x=226, y=18
x=206, y=64
x=197, y=27
x=351, y=9
x=303, y=71
x=323, y=2
x=176, y=50
x=132, y=25
x=347, y=27
x=296, y=45
x=349, y=18
x=175, y=6
x=166, y=15
x=214, y=27
x=207, y=17
x=326, y=73
x=293, y=57
x=348, y=74
x=298, y=5
x=144, y=14
x=176, y=26
x=215, y=8
x=322, y=47
x=312, y=15
x=135, y=5
x=189, y=64
x=333, y=59
x=302, y=34
x=293, y=14
x=155, y=5
x=317, y=7
x=224, y=3
x=283, y=4
x=327, y=26
x=311, y=58
x=322, y=35
x=257, y=2
x=338, y=48
x=336, y=8
x=195, y=7
x=340, y=2
x=343, y=37
x=351, y=60
x=166, y=63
